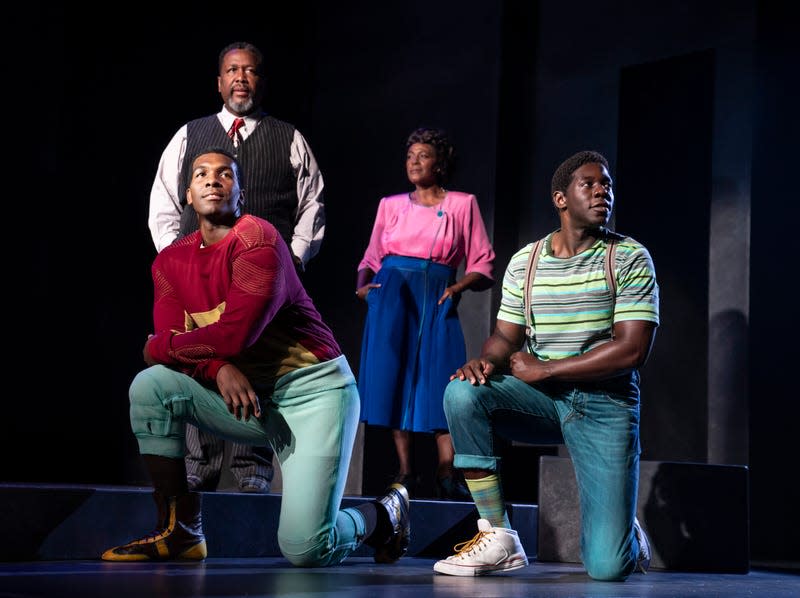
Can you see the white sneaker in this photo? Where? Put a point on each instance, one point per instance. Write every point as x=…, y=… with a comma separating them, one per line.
x=643, y=560
x=492, y=549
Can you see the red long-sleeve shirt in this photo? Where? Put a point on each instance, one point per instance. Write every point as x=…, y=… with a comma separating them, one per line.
x=237, y=301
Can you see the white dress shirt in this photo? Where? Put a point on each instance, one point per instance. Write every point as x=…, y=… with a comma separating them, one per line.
x=165, y=198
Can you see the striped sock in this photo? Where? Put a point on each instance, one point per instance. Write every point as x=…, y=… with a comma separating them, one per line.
x=488, y=496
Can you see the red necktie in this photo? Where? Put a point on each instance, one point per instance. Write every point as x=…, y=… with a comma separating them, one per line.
x=234, y=130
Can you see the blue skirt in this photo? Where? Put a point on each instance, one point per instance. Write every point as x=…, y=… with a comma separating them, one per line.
x=411, y=346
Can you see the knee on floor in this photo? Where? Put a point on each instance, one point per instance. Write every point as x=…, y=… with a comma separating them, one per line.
x=608, y=569
x=309, y=553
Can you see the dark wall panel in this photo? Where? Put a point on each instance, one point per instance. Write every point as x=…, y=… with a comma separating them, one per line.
x=663, y=200
x=774, y=404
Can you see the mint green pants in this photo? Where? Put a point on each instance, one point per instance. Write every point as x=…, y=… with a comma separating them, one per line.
x=310, y=420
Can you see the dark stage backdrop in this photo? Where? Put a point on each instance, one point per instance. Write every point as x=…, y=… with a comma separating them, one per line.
x=101, y=103
x=674, y=88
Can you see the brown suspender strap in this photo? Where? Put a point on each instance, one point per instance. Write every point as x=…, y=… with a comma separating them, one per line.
x=530, y=272
x=611, y=281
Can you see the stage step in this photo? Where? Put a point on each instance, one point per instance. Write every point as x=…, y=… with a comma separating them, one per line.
x=695, y=514
x=68, y=522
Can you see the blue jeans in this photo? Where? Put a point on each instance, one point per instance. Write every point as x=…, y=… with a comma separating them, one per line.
x=310, y=420
x=600, y=428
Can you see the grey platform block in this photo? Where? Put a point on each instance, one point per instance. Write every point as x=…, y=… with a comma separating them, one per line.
x=62, y=522
x=695, y=515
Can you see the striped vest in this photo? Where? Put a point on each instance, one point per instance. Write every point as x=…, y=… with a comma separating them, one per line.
x=267, y=177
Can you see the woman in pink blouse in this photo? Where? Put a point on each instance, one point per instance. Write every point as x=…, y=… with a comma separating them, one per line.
x=412, y=339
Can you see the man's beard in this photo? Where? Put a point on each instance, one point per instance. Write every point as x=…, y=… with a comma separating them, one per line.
x=244, y=107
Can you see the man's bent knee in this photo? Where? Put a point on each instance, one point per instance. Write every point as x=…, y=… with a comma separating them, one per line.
x=460, y=397
x=608, y=569
x=308, y=554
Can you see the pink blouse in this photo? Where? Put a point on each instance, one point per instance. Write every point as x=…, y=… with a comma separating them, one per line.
x=447, y=233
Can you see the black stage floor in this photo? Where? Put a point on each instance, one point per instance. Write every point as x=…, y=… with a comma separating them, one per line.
x=361, y=577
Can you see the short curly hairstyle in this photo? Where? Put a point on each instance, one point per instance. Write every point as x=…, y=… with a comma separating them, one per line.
x=563, y=174
x=445, y=152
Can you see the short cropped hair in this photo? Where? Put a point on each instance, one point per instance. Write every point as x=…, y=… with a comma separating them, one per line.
x=213, y=149
x=247, y=46
x=445, y=152
x=563, y=174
